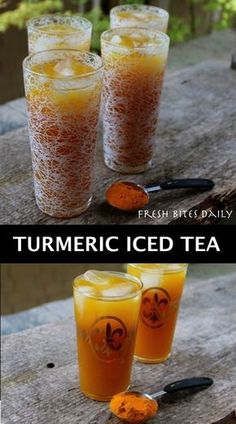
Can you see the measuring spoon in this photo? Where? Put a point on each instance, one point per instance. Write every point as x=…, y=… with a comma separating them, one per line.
x=177, y=386
x=129, y=196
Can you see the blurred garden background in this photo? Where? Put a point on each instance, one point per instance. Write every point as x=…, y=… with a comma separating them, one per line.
x=189, y=19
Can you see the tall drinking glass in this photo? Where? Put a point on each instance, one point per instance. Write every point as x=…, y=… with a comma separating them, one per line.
x=162, y=290
x=139, y=15
x=63, y=90
x=134, y=66
x=59, y=32
x=106, y=311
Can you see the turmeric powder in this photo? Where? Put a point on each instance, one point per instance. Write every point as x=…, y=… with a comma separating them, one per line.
x=126, y=196
x=132, y=407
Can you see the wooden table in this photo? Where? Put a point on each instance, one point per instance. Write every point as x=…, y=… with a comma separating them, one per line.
x=205, y=344
x=196, y=138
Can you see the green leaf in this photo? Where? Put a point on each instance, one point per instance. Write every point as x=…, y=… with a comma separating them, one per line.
x=27, y=10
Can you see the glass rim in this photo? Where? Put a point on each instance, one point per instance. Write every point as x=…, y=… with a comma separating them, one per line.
x=119, y=298
x=31, y=23
x=162, y=36
x=67, y=78
x=161, y=11
x=179, y=267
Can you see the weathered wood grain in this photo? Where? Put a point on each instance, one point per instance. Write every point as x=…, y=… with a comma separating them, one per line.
x=205, y=344
x=229, y=419
x=12, y=115
x=196, y=138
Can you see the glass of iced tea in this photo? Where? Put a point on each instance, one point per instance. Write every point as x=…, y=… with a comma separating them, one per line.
x=162, y=290
x=134, y=66
x=63, y=91
x=59, y=32
x=107, y=307
x=139, y=15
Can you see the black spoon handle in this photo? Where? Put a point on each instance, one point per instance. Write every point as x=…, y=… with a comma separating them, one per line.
x=188, y=383
x=181, y=183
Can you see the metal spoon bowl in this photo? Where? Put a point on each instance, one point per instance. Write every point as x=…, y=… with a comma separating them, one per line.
x=120, y=193
x=199, y=383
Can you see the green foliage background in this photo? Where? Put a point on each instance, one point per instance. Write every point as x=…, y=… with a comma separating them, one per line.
x=179, y=29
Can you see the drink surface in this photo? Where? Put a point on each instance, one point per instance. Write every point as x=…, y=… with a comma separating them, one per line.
x=134, y=65
x=58, y=28
x=69, y=67
x=145, y=16
x=106, y=285
x=63, y=98
x=158, y=267
x=106, y=311
x=162, y=291
x=137, y=15
x=136, y=44
x=133, y=40
x=59, y=32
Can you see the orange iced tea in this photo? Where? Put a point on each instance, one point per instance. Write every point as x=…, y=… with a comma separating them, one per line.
x=162, y=291
x=59, y=32
x=63, y=90
x=106, y=310
x=139, y=15
x=134, y=66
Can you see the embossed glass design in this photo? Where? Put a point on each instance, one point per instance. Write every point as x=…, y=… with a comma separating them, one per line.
x=63, y=91
x=59, y=32
x=139, y=15
x=107, y=307
x=162, y=290
x=134, y=66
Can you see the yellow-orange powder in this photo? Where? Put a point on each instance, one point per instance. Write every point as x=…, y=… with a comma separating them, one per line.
x=126, y=196
x=133, y=408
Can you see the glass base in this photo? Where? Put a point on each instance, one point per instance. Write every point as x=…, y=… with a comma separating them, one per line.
x=125, y=169
x=60, y=214
x=151, y=360
x=102, y=398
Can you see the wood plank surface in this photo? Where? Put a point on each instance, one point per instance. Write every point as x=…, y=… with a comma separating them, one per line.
x=205, y=344
x=196, y=138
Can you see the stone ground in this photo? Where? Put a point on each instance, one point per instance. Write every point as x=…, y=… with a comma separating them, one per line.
x=56, y=311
